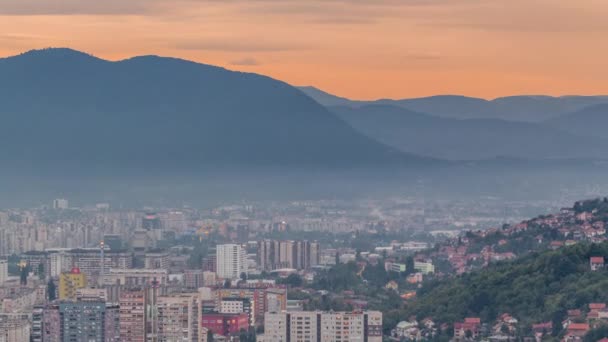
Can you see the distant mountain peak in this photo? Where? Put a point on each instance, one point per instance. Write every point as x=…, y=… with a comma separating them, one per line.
x=152, y=110
x=52, y=52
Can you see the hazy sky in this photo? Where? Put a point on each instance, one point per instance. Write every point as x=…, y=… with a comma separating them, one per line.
x=356, y=48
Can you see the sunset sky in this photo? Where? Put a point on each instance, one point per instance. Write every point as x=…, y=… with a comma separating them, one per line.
x=361, y=49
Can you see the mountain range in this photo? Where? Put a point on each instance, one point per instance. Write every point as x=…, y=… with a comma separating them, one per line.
x=463, y=128
x=469, y=139
x=68, y=108
x=529, y=108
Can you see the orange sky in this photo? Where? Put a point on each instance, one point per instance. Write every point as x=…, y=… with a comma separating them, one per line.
x=361, y=49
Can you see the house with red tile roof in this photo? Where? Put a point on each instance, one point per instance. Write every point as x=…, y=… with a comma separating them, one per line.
x=576, y=330
x=596, y=263
x=473, y=320
x=597, y=306
x=469, y=328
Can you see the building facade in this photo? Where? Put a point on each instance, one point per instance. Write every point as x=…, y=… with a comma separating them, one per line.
x=231, y=261
x=70, y=282
x=323, y=326
x=276, y=254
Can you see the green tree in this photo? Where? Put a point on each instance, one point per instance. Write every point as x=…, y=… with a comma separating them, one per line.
x=293, y=280
x=596, y=334
x=468, y=334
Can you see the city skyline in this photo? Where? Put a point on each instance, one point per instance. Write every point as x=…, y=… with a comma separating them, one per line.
x=403, y=48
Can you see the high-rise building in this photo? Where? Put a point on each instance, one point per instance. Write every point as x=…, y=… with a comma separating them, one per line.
x=70, y=282
x=112, y=323
x=274, y=254
x=132, y=314
x=36, y=334
x=231, y=261
x=275, y=300
x=210, y=262
x=51, y=323
x=287, y=255
x=315, y=251
x=193, y=279
x=14, y=327
x=178, y=317
x=265, y=255
x=3, y=271
x=151, y=221
x=262, y=299
x=89, y=261
x=60, y=204
x=323, y=326
x=157, y=259
x=82, y=321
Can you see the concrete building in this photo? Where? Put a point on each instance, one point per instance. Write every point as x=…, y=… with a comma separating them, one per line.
x=137, y=277
x=262, y=299
x=178, y=317
x=231, y=261
x=51, y=323
x=225, y=324
x=156, y=260
x=82, y=321
x=237, y=305
x=70, y=282
x=193, y=279
x=424, y=267
x=275, y=254
x=323, y=326
x=15, y=327
x=132, y=316
x=89, y=261
x=3, y=271
x=36, y=333
x=112, y=323
x=60, y=204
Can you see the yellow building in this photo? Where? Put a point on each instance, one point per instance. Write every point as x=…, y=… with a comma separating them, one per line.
x=70, y=282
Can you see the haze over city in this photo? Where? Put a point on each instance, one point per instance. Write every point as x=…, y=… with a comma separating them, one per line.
x=303, y=170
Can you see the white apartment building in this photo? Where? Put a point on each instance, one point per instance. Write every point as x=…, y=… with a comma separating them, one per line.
x=231, y=261
x=3, y=271
x=60, y=203
x=312, y=326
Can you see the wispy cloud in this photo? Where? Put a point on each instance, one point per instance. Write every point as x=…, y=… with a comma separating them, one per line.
x=130, y=7
x=74, y=7
x=238, y=44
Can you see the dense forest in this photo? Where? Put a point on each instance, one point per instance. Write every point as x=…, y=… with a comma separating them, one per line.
x=539, y=287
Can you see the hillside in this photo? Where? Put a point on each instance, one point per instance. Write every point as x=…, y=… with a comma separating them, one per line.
x=467, y=139
x=66, y=109
x=534, y=289
x=590, y=122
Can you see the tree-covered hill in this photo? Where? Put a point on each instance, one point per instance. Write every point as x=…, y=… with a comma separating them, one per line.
x=535, y=288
